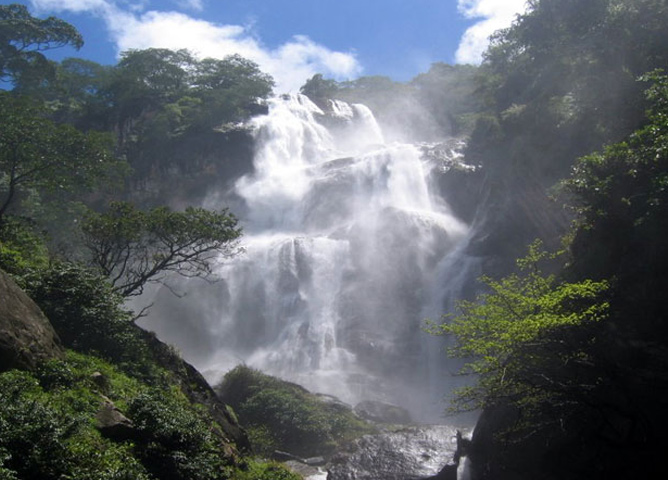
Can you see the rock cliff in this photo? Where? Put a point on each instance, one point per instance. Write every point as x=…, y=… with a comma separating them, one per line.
x=26, y=336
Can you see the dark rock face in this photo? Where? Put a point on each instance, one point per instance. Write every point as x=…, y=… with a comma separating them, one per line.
x=409, y=454
x=188, y=169
x=605, y=444
x=490, y=457
x=26, y=336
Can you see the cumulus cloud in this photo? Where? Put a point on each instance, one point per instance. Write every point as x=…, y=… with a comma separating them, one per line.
x=491, y=15
x=291, y=64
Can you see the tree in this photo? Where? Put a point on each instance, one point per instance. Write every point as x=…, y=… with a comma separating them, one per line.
x=319, y=89
x=38, y=155
x=229, y=90
x=23, y=38
x=622, y=200
x=513, y=336
x=155, y=96
x=134, y=247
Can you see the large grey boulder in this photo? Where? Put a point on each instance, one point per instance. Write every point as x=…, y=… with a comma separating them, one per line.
x=111, y=422
x=26, y=336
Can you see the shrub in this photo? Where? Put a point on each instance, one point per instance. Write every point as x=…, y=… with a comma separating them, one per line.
x=21, y=247
x=254, y=470
x=87, y=315
x=283, y=415
x=174, y=442
x=49, y=433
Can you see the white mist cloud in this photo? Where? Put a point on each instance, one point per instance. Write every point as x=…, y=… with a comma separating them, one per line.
x=291, y=64
x=492, y=15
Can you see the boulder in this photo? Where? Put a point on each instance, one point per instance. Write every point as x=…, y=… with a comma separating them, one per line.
x=26, y=336
x=112, y=423
x=412, y=453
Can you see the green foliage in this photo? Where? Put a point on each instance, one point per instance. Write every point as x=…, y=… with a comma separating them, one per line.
x=254, y=470
x=319, y=89
x=37, y=155
x=622, y=202
x=156, y=96
x=47, y=428
x=30, y=430
x=133, y=247
x=76, y=93
x=283, y=415
x=509, y=334
x=174, y=440
x=562, y=82
x=145, y=79
x=21, y=247
x=87, y=315
x=447, y=91
x=230, y=89
x=23, y=38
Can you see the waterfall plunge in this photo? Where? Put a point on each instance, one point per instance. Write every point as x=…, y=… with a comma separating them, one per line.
x=347, y=250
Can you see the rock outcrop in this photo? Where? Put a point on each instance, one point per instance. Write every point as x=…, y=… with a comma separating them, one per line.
x=412, y=453
x=112, y=423
x=26, y=336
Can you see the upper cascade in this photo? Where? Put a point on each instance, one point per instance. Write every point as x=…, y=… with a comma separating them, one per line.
x=347, y=245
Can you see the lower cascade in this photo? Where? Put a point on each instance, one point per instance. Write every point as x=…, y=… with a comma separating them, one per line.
x=347, y=248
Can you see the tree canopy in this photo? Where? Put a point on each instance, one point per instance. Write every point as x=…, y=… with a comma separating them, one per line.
x=23, y=38
x=134, y=247
x=38, y=156
x=512, y=333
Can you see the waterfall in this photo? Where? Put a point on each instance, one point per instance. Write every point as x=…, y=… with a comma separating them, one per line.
x=347, y=248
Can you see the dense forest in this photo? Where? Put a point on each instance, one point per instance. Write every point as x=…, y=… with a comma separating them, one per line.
x=566, y=121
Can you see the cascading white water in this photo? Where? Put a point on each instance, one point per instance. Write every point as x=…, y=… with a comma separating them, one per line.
x=347, y=248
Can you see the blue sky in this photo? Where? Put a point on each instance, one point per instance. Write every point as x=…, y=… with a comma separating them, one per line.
x=292, y=39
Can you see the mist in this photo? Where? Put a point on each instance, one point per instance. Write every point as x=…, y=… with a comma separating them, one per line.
x=348, y=248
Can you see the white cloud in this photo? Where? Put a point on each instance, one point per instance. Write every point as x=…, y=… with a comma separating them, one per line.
x=492, y=15
x=70, y=5
x=291, y=64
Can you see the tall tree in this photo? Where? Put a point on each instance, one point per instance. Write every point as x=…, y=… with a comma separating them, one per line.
x=134, y=247
x=38, y=155
x=516, y=337
x=23, y=38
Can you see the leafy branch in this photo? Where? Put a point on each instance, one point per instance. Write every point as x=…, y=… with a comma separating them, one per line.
x=133, y=247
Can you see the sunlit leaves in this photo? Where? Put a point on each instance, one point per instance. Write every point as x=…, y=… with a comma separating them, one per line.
x=23, y=37
x=502, y=332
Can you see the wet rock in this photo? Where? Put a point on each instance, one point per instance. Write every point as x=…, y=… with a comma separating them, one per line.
x=408, y=454
x=383, y=412
x=112, y=423
x=306, y=471
x=449, y=472
x=26, y=336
